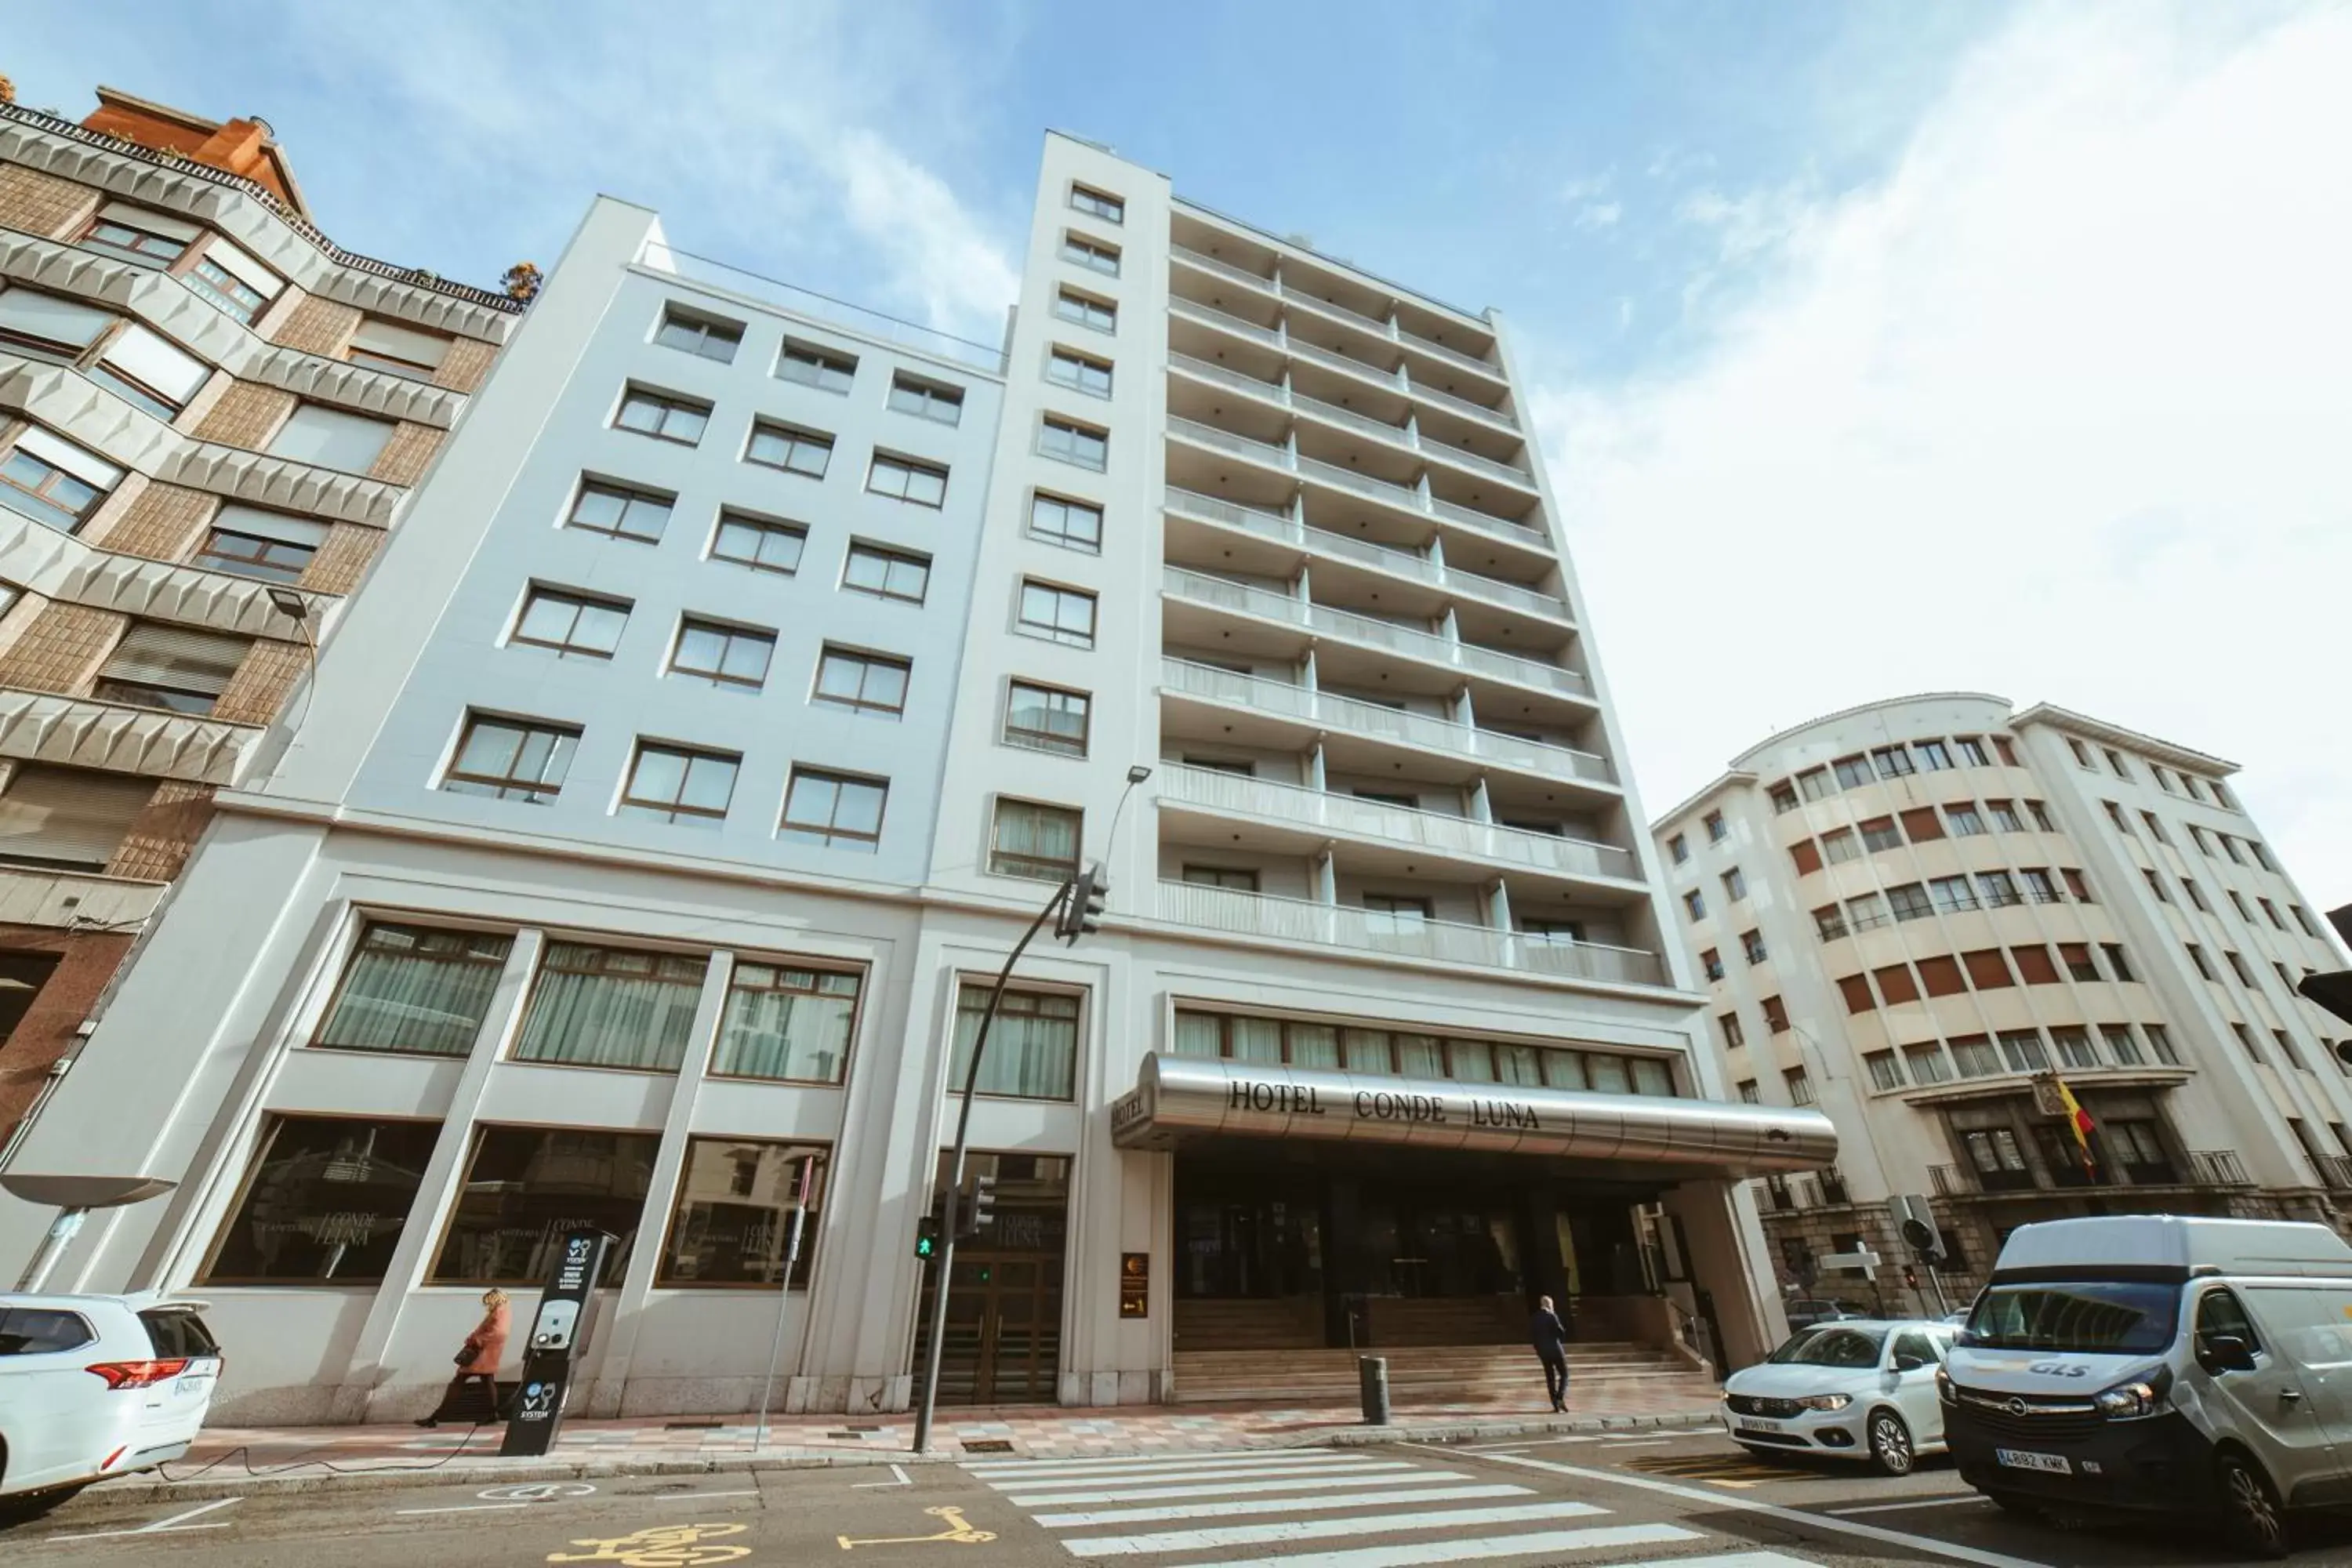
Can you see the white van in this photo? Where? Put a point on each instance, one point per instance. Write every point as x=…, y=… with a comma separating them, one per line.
x=2162, y=1363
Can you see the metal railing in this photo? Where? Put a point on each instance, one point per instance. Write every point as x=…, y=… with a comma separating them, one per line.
x=2336, y=1170
x=1192, y=258
x=1224, y=320
x=2217, y=1168
x=1373, y=721
x=1347, y=478
x=1200, y=587
x=1327, y=812
x=1947, y=1181
x=1225, y=440
x=696, y=268
x=1451, y=356
x=1502, y=527
x=1373, y=930
x=1395, y=436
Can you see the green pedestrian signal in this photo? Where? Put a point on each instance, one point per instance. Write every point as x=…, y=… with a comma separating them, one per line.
x=927, y=1238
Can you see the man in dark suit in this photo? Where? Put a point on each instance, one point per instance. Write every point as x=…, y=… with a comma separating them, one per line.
x=1550, y=1337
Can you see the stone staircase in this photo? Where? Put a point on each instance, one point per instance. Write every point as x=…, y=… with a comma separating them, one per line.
x=1440, y=1374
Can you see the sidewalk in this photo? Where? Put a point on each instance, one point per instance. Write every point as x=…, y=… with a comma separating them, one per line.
x=235, y=1461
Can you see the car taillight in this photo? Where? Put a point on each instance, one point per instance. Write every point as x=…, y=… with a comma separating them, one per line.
x=139, y=1373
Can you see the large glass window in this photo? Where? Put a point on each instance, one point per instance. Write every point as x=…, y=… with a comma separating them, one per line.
x=511, y=759
x=1034, y=840
x=525, y=1186
x=836, y=810
x=325, y=1199
x=1033, y=1046
x=786, y=1023
x=605, y=507
x=804, y=452
x=415, y=990
x=675, y=784
x=612, y=1007
x=733, y=1219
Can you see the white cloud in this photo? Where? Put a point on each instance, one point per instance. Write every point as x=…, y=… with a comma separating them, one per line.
x=2059, y=409
x=1589, y=203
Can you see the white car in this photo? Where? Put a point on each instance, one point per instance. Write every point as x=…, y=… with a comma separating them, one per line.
x=95, y=1386
x=1853, y=1389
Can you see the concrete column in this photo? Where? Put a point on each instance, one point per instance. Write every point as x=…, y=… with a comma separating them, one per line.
x=1305, y=588
x=1290, y=448
x=1327, y=878
x=1297, y=508
x=1449, y=625
x=1307, y=673
x=1391, y=324
x=1482, y=807
x=1464, y=714
x=1731, y=1266
x=1413, y=431
x=1315, y=775
x=1498, y=906
x=1437, y=554
x=1420, y=488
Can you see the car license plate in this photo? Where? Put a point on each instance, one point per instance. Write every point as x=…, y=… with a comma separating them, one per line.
x=1753, y=1424
x=2021, y=1459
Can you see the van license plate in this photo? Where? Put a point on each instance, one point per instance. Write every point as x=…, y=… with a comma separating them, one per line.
x=1751, y=1424
x=2019, y=1459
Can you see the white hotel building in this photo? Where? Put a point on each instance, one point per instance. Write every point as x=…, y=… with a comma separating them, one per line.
x=745, y=677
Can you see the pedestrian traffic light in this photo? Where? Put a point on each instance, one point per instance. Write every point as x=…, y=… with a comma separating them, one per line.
x=927, y=1238
x=1083, y=913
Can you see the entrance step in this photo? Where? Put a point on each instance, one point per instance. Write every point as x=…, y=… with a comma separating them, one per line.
x=1417, y=1373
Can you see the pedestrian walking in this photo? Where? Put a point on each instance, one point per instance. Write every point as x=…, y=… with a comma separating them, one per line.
x=1550, y=1337
x=478, y=1364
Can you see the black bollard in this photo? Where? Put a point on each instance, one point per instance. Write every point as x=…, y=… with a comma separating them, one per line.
x=1372, y=1373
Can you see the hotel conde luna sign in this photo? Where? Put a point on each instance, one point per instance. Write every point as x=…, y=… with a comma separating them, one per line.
x=1180, y=1098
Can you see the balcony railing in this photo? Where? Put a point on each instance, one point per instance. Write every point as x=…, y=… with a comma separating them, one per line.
x=1373, y=721
x=1395, y=436
x=85, y=733
x=64, y=899
x=1191, y=257
x=1451, y=356
x=2335, y=1171
x=1404, y=562
x=1946, y=1180
x=1494, y=416
x=1326, y=812
x=1225, y=320
x=1374, y=930
x=1314, y=354
x=1200, y=587
x=2217, y=1168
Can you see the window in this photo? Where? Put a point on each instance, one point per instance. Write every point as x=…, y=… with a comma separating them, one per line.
x=1866, y=912
x=2238, y=968
x=733, y=1219
x=1099, y=314
x=570, y=623
x=2115, y=816
x=2197, y=957
x=2230, y=848
x=2118, y=967
x=2246, y=1043
x=1988, y=969
x=137, y=235
x=247, y=541
x=1710, y=963
x=2195, y=896
x=2082, y=753
x=836, y=810
x=1909, y=903
x=2261, y=857
x=2156, y=886
x=2075, y=1048
x=1230, y=879
x=2039, y=887
x=804, y=452
x=1973, y=751
x=1032, y=1044
x=1852, y=772
x=1679, y=847
x=2121, y=1045
x=1975, y=1058
x=1928, y=1063
x=2033, y=966
x=511, y=759
x=1996, y=889
x=2163, y=779
x=625, y=513
x=1806, y=856
x=2159, y=1041
x=1855, y=989
x=1752, y=946
x=52, y=481
x=2270, y=912
x=1074, y=524
x=1885, y=1072
x=1734, y=885
x=396, y=350
x=1059, y=615
x=2076, y=957
x=1964, y=821
x=525, y=1186
x=330, y=438
x=171, y=668
x=2040, y=814
x=2022, y=1050
x=721, y=654
x=1952, y=894
x=43, y=1330
x=1933, y=756
x=869, y=682
x=50, y=326
x=1715, y=828
x=678, y=784
x=1814, y=784
x=232, y=282
x=1732, y=1037
x=1800, y=1087
x=1892, y=761
x=1776, y=1016
x=2287, y=1048
x=1069, y=442
x=2188, y=782
x=2076, y=885
x=415, y=991
x=926, y=399
x=1110, y=208
x=64, y=818
x=2303, y=920
x=612, y=1007
x=785, y=1022
x=1840, y=845
x=759, y=542
x=1030, y=839
x=2004, y=816
x=1829, y=922
x=326, y=1198
x=2117, y=764
x=887, y=574
x=1086, y=253
x=149, y=373
x=1922, y=826
x=2008, y=753
x=1079, y=373
x=1047, y=719
x=1748, y=1092
x=2155, y=828
x=812, y=366
x=697, y=334
x=662, y=416
x=1695, y=905
x=1940, y=974
x=1880, y=833
x=2204, y=844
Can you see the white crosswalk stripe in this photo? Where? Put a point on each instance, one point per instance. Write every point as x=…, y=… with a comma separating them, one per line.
x=1275, y=1500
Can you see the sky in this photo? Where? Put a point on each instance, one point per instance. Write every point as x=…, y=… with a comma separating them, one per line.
x=1874, y=349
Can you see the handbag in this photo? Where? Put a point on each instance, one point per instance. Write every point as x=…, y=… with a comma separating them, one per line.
x=465, y=1353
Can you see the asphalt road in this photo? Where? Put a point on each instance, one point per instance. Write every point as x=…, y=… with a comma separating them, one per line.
x=1579, y=1502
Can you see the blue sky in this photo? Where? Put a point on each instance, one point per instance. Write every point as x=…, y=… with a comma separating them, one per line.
x=1876, y=348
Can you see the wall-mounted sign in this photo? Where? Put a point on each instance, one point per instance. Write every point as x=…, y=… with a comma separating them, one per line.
x=1135, y=1284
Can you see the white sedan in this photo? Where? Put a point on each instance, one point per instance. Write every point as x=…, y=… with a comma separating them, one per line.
x=1855, y=1389
x=96, y=1387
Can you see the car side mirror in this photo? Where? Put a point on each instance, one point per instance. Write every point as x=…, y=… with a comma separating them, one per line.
x=2226, y=1353
x=1909, y=1363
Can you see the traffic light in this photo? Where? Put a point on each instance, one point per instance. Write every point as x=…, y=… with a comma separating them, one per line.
x=979, y=1209
x=927, y=1238
x=1915, y=1224
x=2334, y=991
x=1911, y=1275
x=1083, y=913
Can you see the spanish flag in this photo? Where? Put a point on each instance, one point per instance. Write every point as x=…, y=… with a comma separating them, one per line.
x=2079, y=1121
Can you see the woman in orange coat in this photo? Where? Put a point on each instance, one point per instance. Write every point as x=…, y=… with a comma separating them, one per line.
x=478, y=1362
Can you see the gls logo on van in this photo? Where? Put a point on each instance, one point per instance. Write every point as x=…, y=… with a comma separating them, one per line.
x=2057, y=1369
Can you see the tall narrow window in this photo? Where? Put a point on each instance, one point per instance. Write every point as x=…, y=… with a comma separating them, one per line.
x=676, y=783
x=835, y=810
x=926, y=399
x=721, y=654
x=887, y=574
x=1031, y=839
x=415, y=991
x=804, y=452
x=602, y=507
x=511, y=759
x=171, y=668
x=1047, y=719
x=232, y=282
x=571, y=622
x=869, y=682
x=1074, y=524
x=662, y=416
x=326, y=1198
x=1033, y=1043
x=149, y=372
x=733, y=1219
x=904, y=478
x=612, y=1007
x=525, y=1186
x=786, y=1022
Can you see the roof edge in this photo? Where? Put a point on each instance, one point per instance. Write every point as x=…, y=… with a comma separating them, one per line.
x=2059, y=717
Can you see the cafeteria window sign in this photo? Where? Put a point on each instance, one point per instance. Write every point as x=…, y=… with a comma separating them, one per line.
x=1135, y=1284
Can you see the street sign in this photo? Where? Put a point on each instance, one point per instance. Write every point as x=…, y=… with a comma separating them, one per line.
x=1135, y=1284
x=1863, y=1262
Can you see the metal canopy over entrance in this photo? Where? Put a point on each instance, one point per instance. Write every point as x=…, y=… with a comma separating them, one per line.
x=1176, y=1100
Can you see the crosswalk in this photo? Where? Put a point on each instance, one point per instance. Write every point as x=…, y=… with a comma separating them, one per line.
x=1279, y=1506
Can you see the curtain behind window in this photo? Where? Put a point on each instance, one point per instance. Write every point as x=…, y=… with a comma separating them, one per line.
x=1032, y=1046
x=416, y=991
x=600, y=1007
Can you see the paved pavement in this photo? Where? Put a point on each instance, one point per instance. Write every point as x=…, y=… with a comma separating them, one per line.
x=1570, y=1501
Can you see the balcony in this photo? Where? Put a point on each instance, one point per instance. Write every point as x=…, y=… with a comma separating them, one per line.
x=67, y=901
x=1386, y=558
x=82, y=732
x=1321, y=813
x=1385, y=326
x=2335, y=1171
x=1371, y=721
x=1294, y=921
x=1201, y=588
x=2217, y=1168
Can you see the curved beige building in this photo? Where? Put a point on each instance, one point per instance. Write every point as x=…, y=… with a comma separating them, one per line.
x=1910, y=912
